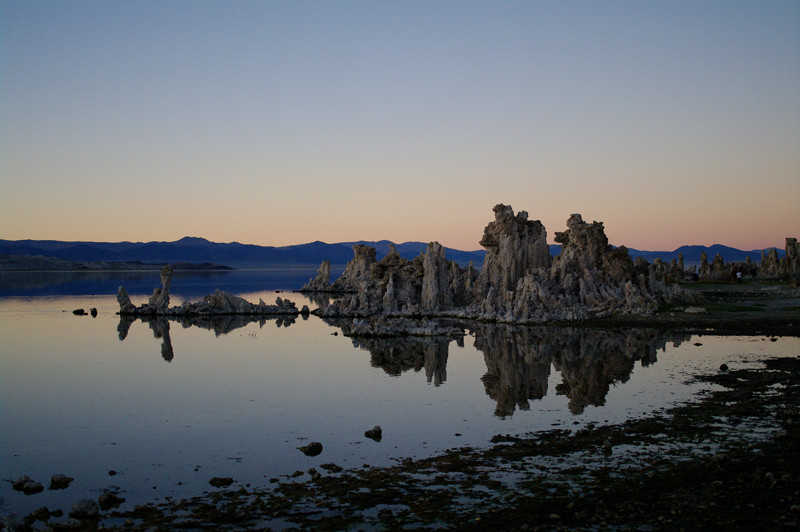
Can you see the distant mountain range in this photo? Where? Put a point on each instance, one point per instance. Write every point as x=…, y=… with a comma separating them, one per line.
x=234, y=254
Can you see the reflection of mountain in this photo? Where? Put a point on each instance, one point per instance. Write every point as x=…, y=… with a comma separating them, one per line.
x=220, y=324
x=396, y=355
x=518, y=361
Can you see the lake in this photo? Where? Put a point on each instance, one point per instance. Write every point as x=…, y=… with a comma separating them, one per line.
x=154, y=409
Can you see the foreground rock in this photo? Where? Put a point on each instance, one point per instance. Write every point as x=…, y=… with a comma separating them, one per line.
x=85, y=509
x=218, y=303
x=519, y=282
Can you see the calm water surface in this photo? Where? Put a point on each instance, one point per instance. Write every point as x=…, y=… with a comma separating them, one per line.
x=168, y=404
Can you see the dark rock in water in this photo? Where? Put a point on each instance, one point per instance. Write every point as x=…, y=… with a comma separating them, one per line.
x=333, y=468
x=109, y=500
x=40, y=514
x=79, y=312
x=60, y=482
x=85, y=509
x=312, y=449
x=221, y=482
x=504, y=438
x=93, y=312
x=374, y=433
x=27, y=485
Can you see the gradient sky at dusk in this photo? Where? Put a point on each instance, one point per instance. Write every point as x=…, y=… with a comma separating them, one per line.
x=279, y=123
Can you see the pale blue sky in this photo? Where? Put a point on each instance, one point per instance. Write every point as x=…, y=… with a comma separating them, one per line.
x=285, y=122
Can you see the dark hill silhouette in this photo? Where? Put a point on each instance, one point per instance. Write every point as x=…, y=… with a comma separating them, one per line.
x=199, y=250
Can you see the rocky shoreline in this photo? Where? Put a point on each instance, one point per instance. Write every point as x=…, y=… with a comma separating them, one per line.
x=728, y=460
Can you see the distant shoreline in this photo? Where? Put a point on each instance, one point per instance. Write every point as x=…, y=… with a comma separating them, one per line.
x=40, y=264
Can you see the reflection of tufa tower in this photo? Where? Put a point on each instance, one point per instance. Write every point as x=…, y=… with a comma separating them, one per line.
x=398, y=354
x=518, y=361
x=517, y=365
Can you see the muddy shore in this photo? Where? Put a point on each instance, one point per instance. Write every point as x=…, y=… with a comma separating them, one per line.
x=727, y=460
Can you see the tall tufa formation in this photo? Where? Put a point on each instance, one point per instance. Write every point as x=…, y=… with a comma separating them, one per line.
x=322, y=282
x=436, y=284
x=395, y=285
x=519, y=281
x=513, y=245
x=159, y=301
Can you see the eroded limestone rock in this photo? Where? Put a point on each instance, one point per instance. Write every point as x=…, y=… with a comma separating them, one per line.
x=589, y=279
x=395, y=285
x=322, y=282
x=514, y=245
x=519, y=281
x=218, y=303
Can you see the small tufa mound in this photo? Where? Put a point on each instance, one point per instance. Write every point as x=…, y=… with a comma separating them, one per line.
x=312, y=449
x=375, y=433
x=60, y=482
x=27, y=485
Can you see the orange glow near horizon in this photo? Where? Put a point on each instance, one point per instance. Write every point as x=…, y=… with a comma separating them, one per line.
x=274, y=124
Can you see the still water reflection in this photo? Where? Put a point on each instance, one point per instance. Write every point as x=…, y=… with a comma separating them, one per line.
x=84, y=396
x=519, y=361
x=221, y=325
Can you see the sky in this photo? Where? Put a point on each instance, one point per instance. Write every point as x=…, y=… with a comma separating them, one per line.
x=285, y=122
